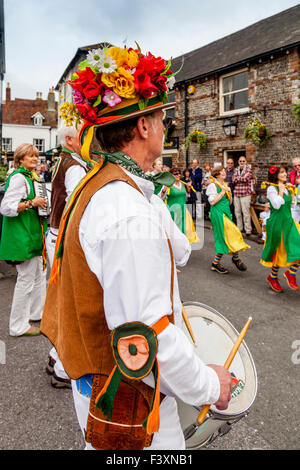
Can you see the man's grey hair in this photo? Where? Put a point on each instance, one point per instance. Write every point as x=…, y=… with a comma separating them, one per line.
x=64, y=131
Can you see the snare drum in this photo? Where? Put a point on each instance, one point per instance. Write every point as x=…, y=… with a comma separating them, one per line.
x=215, y=337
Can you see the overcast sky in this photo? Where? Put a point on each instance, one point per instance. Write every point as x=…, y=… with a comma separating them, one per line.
x=42, y=36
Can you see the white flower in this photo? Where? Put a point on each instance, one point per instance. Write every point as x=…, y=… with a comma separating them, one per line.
x=95, y=57
x=170, y=83
x=107, y=65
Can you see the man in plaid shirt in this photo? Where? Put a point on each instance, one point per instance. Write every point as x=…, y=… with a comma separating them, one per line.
x=242, y=177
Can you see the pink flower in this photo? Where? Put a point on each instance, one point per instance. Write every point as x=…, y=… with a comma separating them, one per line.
x=111, y=98
x=78, y=97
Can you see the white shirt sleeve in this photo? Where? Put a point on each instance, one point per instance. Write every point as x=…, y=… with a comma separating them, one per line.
x=135, y=273
x=72, y=177
x=17, y=190
x=274, y=198
x=211, y=192
x=180, y=244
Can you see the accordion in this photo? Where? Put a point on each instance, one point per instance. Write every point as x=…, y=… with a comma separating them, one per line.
x=41, y=190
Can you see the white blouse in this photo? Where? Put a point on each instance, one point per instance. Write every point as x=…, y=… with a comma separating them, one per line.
x=273, y=196
x=17, y=190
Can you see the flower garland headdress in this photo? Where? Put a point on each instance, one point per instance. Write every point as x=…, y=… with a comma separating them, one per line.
x=113, y=84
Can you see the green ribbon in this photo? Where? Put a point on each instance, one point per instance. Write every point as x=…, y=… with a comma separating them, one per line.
x=163, y=178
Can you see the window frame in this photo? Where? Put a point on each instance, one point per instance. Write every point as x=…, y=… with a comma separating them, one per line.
x=221, y=94
x=35, y=144
x=3, y=145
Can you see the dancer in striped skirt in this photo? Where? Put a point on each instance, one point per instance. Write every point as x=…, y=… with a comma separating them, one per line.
x=282, y=245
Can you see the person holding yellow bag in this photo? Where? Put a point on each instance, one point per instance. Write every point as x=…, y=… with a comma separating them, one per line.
x=228, y=238
x=176, y=202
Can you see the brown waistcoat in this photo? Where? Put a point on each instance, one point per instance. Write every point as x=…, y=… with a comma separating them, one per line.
x=74, y=318
x=58, y=193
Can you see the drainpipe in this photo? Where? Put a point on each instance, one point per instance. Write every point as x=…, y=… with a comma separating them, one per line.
x=186, y=123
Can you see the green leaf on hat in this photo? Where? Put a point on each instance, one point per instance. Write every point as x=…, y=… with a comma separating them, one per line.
x=143, y=103
x=97, y=102
x=83, y=64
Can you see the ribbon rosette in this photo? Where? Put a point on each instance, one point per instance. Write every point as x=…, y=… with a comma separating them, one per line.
x=134, y=346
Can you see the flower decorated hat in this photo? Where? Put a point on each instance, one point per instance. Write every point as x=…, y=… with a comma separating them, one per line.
x=114, y=84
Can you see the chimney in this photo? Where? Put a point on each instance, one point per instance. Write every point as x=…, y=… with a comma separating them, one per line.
x=38, y=95
x=8, y=97
x=51, y=100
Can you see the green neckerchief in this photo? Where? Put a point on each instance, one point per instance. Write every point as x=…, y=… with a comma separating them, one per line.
x=89, y=164
x=120, y=158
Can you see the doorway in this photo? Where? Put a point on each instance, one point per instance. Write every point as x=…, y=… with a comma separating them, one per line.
x=235, y=155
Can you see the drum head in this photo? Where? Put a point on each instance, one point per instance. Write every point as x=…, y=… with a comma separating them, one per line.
x=215, y=337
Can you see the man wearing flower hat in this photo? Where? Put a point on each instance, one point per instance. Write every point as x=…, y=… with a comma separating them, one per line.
x=118, y=329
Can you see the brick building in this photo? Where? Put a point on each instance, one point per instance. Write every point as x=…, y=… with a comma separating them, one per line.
x=253, y=73
x=29, y=121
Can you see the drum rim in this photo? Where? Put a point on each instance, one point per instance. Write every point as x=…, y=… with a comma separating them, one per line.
x=216, y=414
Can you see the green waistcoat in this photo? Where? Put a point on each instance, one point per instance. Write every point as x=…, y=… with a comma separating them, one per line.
x=281, y=222
x=22, y=236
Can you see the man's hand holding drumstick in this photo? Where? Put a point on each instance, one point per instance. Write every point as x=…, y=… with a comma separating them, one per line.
x=225, y=380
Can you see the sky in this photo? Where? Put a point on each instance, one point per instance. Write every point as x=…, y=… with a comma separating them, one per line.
x=42, y=36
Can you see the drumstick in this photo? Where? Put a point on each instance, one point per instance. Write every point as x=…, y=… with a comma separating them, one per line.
x=227, y=364
x=188, y=325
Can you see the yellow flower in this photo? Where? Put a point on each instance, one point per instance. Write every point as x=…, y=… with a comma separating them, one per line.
x=109, y=79
x=133, y=59
x=121, y=81
x=124, y=85
x=123, y=57
x=119, y=55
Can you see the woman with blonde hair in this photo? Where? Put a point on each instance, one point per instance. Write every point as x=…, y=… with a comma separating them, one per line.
x=23, y=242
x=228, y=238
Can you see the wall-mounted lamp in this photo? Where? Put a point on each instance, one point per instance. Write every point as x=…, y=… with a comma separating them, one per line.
x=230, y=127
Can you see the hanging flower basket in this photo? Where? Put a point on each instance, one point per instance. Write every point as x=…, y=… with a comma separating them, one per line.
x=296, y=110
x=197, y=137
x=258, y=132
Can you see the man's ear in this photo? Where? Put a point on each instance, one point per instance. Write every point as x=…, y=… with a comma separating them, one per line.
x=69, y=140
x=143, y=127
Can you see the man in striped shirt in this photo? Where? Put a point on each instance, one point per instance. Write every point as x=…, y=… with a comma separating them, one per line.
x=242, y=177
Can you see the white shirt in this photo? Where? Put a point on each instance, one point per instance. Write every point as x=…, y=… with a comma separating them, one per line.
x=17, y=190
x=274, y=198
x=211, y=192
x=123, y=236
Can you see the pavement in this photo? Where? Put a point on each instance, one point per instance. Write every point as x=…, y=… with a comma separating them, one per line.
x=35, y=416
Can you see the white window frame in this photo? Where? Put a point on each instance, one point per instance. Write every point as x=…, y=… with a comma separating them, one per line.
x=6, y=146
x=38, y=143
x=221, y=95
x=38, y=119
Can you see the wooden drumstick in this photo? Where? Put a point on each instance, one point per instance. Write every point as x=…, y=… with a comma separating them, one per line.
x=188, y=325
x=227, y=364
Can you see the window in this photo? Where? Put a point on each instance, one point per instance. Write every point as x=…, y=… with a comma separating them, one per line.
x=234, y=92
x=6, y=144
x=37, y=119
x=39, y=144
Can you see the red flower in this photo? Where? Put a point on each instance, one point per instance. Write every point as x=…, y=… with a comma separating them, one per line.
x=143, y=84
x=160, y=82
x=87, y=112
x=84, y=77
x=92, y=90
x=273, y=170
